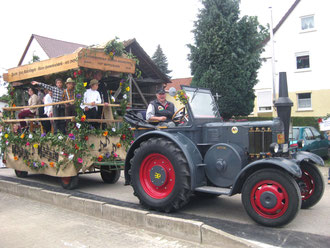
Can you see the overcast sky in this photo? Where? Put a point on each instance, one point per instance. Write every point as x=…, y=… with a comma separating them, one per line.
x=151, y=22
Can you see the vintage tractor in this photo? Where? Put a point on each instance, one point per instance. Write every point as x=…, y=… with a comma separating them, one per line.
x=204, y=155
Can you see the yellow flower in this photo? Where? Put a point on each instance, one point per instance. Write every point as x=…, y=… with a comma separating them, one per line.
x=175, y=96
x=181, y=93
x=6, y=135
x=22, y=136
x=105, y=133
x=35, y=145
x=111, y=54
x=85, y=84
x=121, y=84
x=127, y=88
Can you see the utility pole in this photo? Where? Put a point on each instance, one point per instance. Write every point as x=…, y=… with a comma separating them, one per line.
x=273, y=53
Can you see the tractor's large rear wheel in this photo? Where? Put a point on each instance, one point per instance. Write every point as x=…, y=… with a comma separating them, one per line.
x=311, y=185
x=271, y=197
x=160, y=175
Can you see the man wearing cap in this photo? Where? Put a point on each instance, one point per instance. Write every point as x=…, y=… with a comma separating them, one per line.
x=92, y=97
x=58, y=110
x=68, y=94
x=161, y=110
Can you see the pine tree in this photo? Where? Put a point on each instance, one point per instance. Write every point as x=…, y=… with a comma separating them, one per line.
x=160, y=60
x=226, y=55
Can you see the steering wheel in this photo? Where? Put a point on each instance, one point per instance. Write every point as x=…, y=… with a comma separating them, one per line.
x=181, y=116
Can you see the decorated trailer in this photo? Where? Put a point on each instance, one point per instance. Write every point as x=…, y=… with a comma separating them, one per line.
x=82, y=149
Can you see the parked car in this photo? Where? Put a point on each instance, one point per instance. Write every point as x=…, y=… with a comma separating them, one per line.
x=313, y=140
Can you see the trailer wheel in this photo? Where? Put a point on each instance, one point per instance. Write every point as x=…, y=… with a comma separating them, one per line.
x=69, y=182
x=271, y=197
x=160, y=175
x=21, y=174
x=109, y=175
x=311, y=185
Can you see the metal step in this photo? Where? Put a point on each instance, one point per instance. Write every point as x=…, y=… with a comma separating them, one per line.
x=213, y=190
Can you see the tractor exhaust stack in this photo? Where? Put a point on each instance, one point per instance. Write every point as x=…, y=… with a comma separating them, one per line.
x=283, y=105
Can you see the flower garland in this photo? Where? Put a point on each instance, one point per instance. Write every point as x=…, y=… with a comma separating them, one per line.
x=113, y=47
x=182, y=97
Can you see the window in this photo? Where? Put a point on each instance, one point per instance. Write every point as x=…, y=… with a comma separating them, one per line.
x=315, y=133
x=264, y=99
x=308, y=135
x=304, y=101
x=302, y=61
x=307, y=22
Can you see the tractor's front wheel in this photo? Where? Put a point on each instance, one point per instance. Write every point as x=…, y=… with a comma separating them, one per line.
x=160, y=175
x=271, y=197
x=311, y=185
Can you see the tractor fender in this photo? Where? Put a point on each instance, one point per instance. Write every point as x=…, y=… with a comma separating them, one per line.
x=288, y=165
x=302, y=155
x=189, y=149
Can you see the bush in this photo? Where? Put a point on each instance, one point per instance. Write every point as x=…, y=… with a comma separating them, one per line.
x=296, y=121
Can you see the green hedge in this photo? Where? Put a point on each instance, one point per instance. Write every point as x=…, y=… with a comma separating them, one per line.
x=296, y=121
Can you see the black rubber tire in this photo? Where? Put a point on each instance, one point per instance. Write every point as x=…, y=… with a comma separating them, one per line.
x=314, y=179
x=69, y=182
x=109, y=176
x=286, y=182
x=180, y=193
x=21, y=174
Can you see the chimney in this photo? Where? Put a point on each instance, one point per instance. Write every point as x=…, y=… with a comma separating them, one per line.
x=284, y=105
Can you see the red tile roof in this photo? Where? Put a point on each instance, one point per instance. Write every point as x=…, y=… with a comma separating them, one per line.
x=179, y=81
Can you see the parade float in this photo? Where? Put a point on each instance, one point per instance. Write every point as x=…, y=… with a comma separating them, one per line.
x=83, y=149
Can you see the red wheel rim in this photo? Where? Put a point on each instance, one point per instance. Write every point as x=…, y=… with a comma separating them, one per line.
x=66, y=180
x=308, y=188
x=279, y=196
x=160, y=161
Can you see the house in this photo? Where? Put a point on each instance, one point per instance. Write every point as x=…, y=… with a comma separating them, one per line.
x=150, y=80
x=176, y=83
x=301, y=43
x=46, y=48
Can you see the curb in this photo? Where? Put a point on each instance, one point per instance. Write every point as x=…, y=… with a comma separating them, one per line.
x=190, y=230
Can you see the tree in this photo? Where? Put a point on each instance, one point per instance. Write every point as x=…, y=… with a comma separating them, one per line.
x=226, y=55
x=160, y=60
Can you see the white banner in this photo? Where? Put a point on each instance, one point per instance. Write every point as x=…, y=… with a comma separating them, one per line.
x=325, y=125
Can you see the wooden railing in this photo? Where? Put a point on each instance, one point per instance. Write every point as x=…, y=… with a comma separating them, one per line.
x=71, y=118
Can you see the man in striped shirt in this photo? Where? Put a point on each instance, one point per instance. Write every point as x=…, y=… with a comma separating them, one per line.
x=58, y=110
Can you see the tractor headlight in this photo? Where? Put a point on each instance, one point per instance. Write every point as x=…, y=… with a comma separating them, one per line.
x=274, y=147
x=301, y=143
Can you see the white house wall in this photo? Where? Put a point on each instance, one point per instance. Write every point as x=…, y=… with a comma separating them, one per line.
x=290, y=40
x=34, y=49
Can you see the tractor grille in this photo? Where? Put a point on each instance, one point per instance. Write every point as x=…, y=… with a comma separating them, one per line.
x=260, y=139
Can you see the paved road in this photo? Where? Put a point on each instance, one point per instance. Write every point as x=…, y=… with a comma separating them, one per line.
x=311, y=227
x=26, y=223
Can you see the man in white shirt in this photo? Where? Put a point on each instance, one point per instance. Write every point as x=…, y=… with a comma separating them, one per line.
x=48, y=111
x=92, y=97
